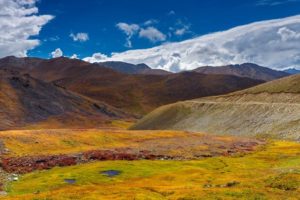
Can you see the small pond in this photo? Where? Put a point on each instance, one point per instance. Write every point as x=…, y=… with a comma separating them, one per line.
x=111, y=173
x=70, y=181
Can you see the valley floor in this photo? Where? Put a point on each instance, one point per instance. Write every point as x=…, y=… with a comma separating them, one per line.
x=208, y=167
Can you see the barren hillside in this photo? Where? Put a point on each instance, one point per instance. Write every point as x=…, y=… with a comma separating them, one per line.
x=25, y=101
x=268, y=110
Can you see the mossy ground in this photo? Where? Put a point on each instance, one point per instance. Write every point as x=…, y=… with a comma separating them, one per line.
x=269, y=173
x=65, y=141
x=72, y=141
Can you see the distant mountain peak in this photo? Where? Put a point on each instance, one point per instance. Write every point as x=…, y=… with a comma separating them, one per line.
x=143, y=65
x=128, y=68
x=249, y=70
x=292, y=71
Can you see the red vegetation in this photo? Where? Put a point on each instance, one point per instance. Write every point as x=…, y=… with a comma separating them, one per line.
x=30, y=163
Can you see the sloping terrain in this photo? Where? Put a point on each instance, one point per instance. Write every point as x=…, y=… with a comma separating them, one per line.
x=135, y=93
x=20, y=63
x=142, y=93
x=245, y=70
x=57, y=68
x=268, y=110
x=25, y=101
x=285, y=85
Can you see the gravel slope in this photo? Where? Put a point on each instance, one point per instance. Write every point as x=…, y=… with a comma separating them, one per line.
x=268, y=110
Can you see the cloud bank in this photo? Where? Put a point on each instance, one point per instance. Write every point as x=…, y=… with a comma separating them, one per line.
x=271, y=43
x=19, y=21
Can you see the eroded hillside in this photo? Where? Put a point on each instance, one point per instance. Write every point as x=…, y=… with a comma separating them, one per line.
x=26, y=101
x=270, y=109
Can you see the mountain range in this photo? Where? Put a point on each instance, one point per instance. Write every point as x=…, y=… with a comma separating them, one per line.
x=132, y=92
x=249, y=70
x=128, y=68
x=69, y=92
x=292, y=71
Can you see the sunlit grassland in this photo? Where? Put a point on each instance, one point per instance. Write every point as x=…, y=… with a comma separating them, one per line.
x=121, y=124
x=59, y=124
x=47, y=142
x=269, y=173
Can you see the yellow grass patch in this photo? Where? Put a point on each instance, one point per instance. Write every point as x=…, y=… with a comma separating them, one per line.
x=270, y=173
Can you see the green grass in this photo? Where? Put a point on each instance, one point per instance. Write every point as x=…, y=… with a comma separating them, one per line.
x=89, y=174
x=66, y=141
x=271, y=173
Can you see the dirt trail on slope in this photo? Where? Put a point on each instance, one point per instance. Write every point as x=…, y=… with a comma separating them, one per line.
x=243, y=103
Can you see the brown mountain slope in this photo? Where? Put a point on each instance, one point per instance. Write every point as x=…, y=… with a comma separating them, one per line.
x=289, y=84
x=20, y=63
x=142, y=93
x=268, y=110
x=25, y=101
x=244, y=70
x=135, y=93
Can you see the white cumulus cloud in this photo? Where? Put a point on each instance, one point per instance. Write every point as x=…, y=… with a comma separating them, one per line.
x=152, y=34
x=129, y=30
x=74, y=56
x=270, y=43
x=80, y=37
x=19, y=20
x=57, y=53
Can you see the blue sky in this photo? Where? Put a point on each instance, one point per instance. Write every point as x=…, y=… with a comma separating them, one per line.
x=99, y=19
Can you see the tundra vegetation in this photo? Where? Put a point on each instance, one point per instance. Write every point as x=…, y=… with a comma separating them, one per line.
x=267, y=170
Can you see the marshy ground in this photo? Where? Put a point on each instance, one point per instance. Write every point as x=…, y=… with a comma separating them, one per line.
x=227, y=168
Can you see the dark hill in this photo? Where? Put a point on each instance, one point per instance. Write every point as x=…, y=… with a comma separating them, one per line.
x=26, y=101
